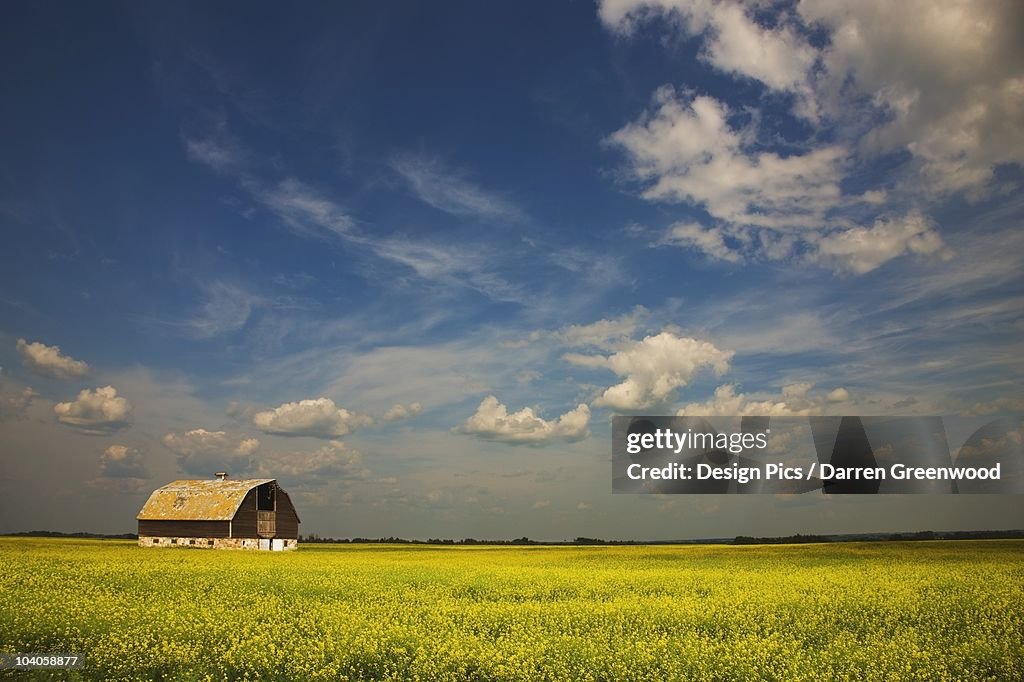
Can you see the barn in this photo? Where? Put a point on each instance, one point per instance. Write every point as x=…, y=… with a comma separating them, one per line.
x=220, y=514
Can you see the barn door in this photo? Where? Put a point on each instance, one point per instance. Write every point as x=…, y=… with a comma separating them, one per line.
x=266, y=516
x=266, y=524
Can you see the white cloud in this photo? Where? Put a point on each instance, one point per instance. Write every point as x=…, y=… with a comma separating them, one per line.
x=838, y=395
x=709, y=241
x=794, y=399
x=48, y=361
x=205, y=452
x=95, y=412
x=941, y=82
x=305, y=211
x=449, y=191
x=733, y=41
x=218, y=152
x=399, y=411
x=493, y=421
x=653, y=369
x=121, y=461
x=201, y=441
x=318, y=418
x=310, y=213
x=862, y=249
x=447, y=264
x=949, y=77
x=327, y=464
x=686, y=151
x=605, y=333
x=227, y=308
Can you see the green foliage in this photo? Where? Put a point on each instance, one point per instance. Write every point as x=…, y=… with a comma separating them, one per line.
x=885, y=611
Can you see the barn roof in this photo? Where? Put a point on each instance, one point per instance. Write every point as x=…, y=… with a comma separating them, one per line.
x=208, y=500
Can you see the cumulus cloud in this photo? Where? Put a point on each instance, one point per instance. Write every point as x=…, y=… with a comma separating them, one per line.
x=859, y=250
x=949, y=78
x=686, y=151
x=330, y=463
x=942, y=83
x=48, y=361
x=652, y=369
x=121, y=461
x=794, y=399
x=493, y=421
x=95, y=412
x=399, y=411
x=205, y=452
x=838, y=395
x=15, y=405
x=734, y=42
x=318, y=418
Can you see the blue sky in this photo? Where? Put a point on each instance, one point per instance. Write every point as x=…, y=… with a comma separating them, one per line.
x=409, y=259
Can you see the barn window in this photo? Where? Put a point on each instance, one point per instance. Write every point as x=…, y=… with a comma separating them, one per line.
x=174, y=541
x=265, y=497
x=210, y=543
x=191, y=542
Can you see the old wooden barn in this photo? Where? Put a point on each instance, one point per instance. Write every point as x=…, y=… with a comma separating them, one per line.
x=220, y=514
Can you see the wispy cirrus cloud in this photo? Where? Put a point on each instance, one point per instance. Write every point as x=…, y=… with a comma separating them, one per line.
x=310, y=213
x=450, y=190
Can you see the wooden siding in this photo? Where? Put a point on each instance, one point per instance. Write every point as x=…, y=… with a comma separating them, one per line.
x=266, y=524
x=287, y=519
x=184, y=529
x=244, y=523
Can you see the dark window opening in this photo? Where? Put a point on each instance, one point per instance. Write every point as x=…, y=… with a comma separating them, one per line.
x=210, y=543
x=174, y=541
x=265, y=497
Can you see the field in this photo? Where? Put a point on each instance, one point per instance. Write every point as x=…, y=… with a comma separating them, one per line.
x=887, y=611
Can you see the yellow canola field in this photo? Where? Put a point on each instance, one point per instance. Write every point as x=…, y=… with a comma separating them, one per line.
x=871, y=611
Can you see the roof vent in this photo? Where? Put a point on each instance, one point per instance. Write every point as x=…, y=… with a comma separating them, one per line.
x=221, y=475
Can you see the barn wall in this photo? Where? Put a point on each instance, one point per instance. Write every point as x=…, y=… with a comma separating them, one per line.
x=244, y=523
x=287, y=519
x=184, y=529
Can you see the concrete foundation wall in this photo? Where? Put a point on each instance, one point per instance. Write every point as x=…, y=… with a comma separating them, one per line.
x=219, y=543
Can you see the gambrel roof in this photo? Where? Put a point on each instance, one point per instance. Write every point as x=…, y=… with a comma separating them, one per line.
x=207, y=500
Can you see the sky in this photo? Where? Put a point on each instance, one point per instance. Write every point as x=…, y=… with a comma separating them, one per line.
x=410, y=258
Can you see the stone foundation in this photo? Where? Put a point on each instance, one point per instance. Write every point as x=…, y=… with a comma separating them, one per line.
x=278, y=544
